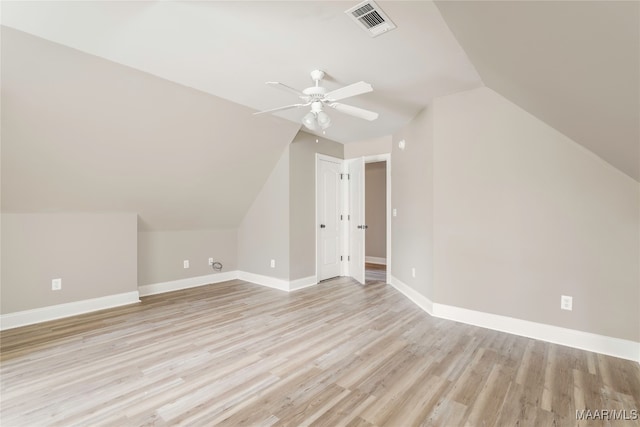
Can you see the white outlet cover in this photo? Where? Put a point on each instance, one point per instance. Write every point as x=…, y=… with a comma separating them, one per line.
x=413, y=272
x=56, y=284
x=566, y=302
x=273, y=263
x=395, y=212
x=210, y=261
x=185, y=263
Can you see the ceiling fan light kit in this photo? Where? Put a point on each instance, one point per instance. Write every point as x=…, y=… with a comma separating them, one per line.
x=318, y=97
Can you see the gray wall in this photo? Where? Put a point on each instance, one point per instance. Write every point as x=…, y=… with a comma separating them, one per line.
x=93, y=254
x=280, y=224
x=161, y=253
x=412, y=196
x=263, y=234
x=506, y=215
x=524, y=215
x=368, y=147
x=123, y=140
x=376, y=209
x=302, y=240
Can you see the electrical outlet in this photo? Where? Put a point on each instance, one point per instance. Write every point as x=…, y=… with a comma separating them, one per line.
x=210, y=261
x=185, y=263
x=56, y=284
x=273, y=263
x=413, y=272
x=566, y=302
x=395, y=212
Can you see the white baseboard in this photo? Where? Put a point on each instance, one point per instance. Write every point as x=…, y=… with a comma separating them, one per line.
x=302, y=283
x=420, y=300
x=375, y=260
x=45, y=314
x=611, y=346
x=60, y=311
x=259, y=279
x=190, y=282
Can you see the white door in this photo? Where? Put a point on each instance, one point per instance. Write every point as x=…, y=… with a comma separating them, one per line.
x=357, y=225
x=329, y=197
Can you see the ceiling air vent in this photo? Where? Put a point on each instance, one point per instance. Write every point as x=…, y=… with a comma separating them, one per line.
x=371, y=18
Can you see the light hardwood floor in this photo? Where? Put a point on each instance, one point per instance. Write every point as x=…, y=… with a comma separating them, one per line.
x=337, y=353
x=375, y=273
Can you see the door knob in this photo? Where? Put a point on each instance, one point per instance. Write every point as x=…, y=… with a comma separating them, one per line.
x=322, y=226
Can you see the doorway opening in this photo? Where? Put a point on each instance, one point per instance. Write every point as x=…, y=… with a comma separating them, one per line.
x=375, y=177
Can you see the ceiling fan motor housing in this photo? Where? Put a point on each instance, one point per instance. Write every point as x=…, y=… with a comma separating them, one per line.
x=315, y=92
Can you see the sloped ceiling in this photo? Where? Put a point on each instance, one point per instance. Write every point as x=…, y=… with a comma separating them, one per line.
x=573, y=64
x=83, y=134
x=146, y=106
x=231, y=48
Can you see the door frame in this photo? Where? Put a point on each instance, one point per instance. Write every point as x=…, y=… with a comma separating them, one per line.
x=342, y=209
x=387, y=159
x=344, y=265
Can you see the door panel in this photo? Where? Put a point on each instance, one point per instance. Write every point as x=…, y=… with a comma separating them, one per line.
x=328, y=219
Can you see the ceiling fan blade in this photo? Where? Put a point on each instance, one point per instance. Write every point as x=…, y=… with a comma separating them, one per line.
x=354, y=111
x=286, y=107
x=348, y=91
x=286, y=88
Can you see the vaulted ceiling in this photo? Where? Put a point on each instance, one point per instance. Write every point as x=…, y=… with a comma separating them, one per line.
x=147, y=106
x=573, y=64
x=231, y=48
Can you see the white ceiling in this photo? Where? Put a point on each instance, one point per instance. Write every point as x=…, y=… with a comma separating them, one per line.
x=230, y=49
x=573, y=64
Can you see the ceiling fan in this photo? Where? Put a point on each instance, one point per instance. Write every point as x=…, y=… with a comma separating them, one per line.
x=318, y=97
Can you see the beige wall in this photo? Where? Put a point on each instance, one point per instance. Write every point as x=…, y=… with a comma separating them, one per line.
x=161, y=253
x=412, y=196
x=376, y=209
x=368, y=147
x=263, y=234
x=524, y=215
x=93, y=254
x=303, y=200
x=123, y=140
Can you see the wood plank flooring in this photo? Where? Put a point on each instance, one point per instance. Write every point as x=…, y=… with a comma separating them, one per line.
x=334, y=354
x=374, y=273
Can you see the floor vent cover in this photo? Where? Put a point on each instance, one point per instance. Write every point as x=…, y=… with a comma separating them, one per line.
x=371, y=18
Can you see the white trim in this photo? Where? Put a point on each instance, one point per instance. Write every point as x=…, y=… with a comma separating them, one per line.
x=603, y=344
x=377, y=158
x=420, y=300
x=189, y=282
x=375, y=260
x=60, y=311
x=259, y=279
x=320, y=156
x=304, y=282
x=554, y=334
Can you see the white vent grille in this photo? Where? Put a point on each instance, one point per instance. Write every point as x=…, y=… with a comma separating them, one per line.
x=371, y=18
